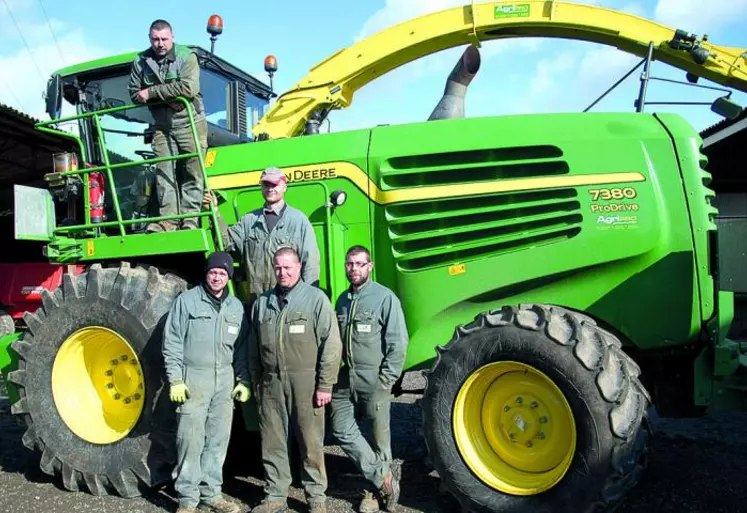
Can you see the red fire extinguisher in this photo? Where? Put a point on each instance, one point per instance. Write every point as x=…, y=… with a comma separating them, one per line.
x=96, y=196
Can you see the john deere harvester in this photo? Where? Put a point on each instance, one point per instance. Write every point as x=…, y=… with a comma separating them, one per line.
x=558, y=273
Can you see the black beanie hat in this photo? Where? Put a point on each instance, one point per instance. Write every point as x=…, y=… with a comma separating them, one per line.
x=220, y=259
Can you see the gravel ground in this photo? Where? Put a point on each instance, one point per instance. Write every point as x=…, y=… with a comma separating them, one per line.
x=695, y=465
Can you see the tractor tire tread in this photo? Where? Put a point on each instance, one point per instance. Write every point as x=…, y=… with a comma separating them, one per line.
x=135, y=289
x=599, y=352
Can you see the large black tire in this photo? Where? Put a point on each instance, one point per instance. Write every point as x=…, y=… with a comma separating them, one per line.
x=599, y=382
x=132, y=302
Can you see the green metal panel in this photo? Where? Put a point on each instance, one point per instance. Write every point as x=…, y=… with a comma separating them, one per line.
x=451, y=259
x=9, y=363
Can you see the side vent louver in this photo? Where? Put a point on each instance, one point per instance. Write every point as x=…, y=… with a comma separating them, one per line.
x=441, y=232
x=449, y=230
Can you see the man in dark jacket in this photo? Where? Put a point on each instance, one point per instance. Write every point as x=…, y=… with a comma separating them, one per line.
x=161, y=73
x=203, y=330
x=375, y=340
x=293, y=360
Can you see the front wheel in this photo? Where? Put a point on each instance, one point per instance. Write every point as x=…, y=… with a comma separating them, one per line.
x=91, y=382
x=535, y=408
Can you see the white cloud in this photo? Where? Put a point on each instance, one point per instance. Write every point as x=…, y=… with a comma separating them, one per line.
x=701, y=16
x=24, y=71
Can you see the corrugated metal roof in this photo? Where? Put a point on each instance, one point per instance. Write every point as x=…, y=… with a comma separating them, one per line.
x=723, y=124
x=8, y=110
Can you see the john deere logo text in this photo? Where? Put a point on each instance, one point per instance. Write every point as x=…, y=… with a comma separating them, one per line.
x=319, y=173
x=512, y=11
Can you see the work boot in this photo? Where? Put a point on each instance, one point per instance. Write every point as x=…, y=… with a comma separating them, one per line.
x=369, y=504
x=221, y=506
x=318, y=507
x=161, y=226
x=186, y=509
x=270, y=507
x=389, y=491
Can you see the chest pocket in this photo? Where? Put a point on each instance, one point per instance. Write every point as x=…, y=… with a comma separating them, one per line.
x=232, y=327
x=365, y=325
x=201, y=325
x=298, y=325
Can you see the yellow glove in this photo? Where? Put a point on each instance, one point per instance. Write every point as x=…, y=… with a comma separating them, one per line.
x=179, y=393
x=240, y=393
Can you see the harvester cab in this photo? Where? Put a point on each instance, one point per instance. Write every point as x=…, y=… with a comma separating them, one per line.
x=120, y=134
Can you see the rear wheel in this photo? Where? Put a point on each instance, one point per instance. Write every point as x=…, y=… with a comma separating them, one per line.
x=91, y=380
x=533, y=409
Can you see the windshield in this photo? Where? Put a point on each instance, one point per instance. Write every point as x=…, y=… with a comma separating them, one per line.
x=125, y=130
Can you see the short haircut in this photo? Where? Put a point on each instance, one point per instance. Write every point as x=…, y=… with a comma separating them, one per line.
x=160, y=25
x=286, y=250
x=358, y=249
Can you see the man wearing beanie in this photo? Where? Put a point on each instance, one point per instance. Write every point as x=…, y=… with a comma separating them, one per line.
x=204, y=329
x=257, y=235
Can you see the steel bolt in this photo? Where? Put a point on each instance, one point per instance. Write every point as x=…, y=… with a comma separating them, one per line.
x=109, y=373
x=535, y=404
x=114, y=362
x=519, y=400
x=110, y=385
x=506, y=408
x=128, y=400
x=541, y=436
x=529, y=444
x=511, y=436
x=137, y=397
x=117, y=397
x=140, y=386
x=133, y=362
x=124, y=357
x=543, y=420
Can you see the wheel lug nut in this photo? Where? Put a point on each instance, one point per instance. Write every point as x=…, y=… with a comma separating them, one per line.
x=506, y=408
x=124, y=357
x=137, y=397
x=535, y=404
x=529, y=444
x=114, y=362
x=128, y=400
x=519, y=400
x=110, y=385
x=117, y=396
x=511, y=436
x=109, y=373
x=133, y=362
x=541, y=436
x=543, y=420
x=140, y=386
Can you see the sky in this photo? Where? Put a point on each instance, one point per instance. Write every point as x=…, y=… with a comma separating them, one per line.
x=516, y=76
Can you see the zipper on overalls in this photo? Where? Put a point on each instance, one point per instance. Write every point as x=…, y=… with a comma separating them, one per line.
x=351, y=315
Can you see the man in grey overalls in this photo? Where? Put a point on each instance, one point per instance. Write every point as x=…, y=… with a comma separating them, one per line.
x=293, y=359
x=203, y=330
x=260, y=233
x=161, y=73
x=375, y=340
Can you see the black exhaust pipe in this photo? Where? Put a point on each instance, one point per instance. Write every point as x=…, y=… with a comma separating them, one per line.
x=451, y=104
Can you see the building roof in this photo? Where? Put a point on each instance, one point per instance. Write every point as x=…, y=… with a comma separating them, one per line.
x=25, y=153
x=723, y=124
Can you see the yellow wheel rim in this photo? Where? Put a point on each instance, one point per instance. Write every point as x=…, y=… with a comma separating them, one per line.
x=514, y=428
x=97, y=385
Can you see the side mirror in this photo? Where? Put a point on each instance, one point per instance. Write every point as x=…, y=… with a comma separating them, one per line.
x=54, y=97
x=725, y=107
